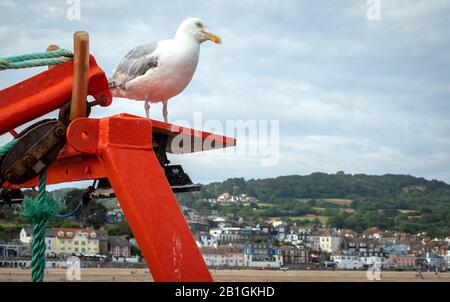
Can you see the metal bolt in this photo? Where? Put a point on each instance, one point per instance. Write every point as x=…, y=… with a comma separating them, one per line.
x=29, y=161
x=103, y=99
x=100, y=101
x=60, y=131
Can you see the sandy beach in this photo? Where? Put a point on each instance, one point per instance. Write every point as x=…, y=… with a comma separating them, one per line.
x=143, y=275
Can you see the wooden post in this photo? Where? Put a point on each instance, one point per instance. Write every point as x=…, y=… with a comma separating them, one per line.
x=51, y=47
x=80, y=75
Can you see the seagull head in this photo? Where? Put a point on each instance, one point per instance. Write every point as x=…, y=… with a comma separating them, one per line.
x=197, y=29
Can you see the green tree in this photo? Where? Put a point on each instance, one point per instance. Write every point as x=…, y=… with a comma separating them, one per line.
x=120, y=229
x=95, y=214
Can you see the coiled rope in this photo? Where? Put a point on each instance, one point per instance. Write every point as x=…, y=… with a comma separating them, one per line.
x=40, y=210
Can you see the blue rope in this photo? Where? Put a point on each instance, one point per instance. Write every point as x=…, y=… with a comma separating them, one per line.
x=70, y=214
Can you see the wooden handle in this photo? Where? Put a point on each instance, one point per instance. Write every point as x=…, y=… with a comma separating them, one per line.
x=80, y=75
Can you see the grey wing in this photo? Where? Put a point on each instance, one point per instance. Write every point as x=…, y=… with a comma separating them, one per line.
x=136, y=63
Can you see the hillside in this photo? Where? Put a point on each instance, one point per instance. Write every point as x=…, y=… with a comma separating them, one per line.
x=358, y=201
x=395, y=202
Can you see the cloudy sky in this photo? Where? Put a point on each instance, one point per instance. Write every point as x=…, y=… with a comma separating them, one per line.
x=350, y=93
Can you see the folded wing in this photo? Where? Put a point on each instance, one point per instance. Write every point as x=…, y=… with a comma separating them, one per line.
x=136, y=63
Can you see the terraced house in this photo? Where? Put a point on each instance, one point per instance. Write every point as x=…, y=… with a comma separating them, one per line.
x=76, y=241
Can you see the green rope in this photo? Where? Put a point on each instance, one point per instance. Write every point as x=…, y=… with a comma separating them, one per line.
x=40, y=55
x=40, y=210
x=54, y=57
x=5, y=149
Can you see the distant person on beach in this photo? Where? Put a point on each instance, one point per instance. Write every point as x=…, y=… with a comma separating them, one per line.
x=419, y=272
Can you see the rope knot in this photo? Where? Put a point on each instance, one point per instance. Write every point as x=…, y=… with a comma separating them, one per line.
x=37, y=210
x=40, y=210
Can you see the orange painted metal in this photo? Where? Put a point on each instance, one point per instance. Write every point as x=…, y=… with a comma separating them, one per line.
x=69, y=166
x=72, y=165
x=185, y=140
x=121, y=148
x=47, y=92
x=124, y=148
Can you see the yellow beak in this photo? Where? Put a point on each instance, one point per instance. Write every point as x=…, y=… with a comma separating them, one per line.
x=213, y=37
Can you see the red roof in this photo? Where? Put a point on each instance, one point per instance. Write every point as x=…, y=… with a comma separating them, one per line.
x=372, y=230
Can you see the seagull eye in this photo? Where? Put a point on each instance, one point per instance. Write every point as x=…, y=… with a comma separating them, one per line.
x=199, y=25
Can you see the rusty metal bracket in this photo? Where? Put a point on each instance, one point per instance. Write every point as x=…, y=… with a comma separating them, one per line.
x=36, y=148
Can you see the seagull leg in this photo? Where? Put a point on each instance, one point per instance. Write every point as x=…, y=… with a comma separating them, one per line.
x=165, y=112
x=147, y=109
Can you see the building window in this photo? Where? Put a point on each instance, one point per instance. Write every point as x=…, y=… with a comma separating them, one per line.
x=76, y=242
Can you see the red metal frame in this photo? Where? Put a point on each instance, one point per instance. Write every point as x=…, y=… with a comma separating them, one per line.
x=119, y=148
x=47, y=92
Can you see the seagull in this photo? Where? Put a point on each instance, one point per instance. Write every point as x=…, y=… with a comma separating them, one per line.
x=156, y=72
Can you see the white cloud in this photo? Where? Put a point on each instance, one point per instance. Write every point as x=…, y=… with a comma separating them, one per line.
x=350, y=94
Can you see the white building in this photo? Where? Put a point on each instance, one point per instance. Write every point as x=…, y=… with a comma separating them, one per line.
x=330, y=244
x=434, y=260
x=360, y=261
x=282, y=230
x=134, y=259
x=349, y=262
x=26, y=236
x=447, y=259
x=207, y=240
x=275, y=261
x=223, y=256
x=292, y=238
x=276, y=222
x=227, y=235
x=224, y=197
x=380, y=261
x=260, y=255
x=313, y=243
